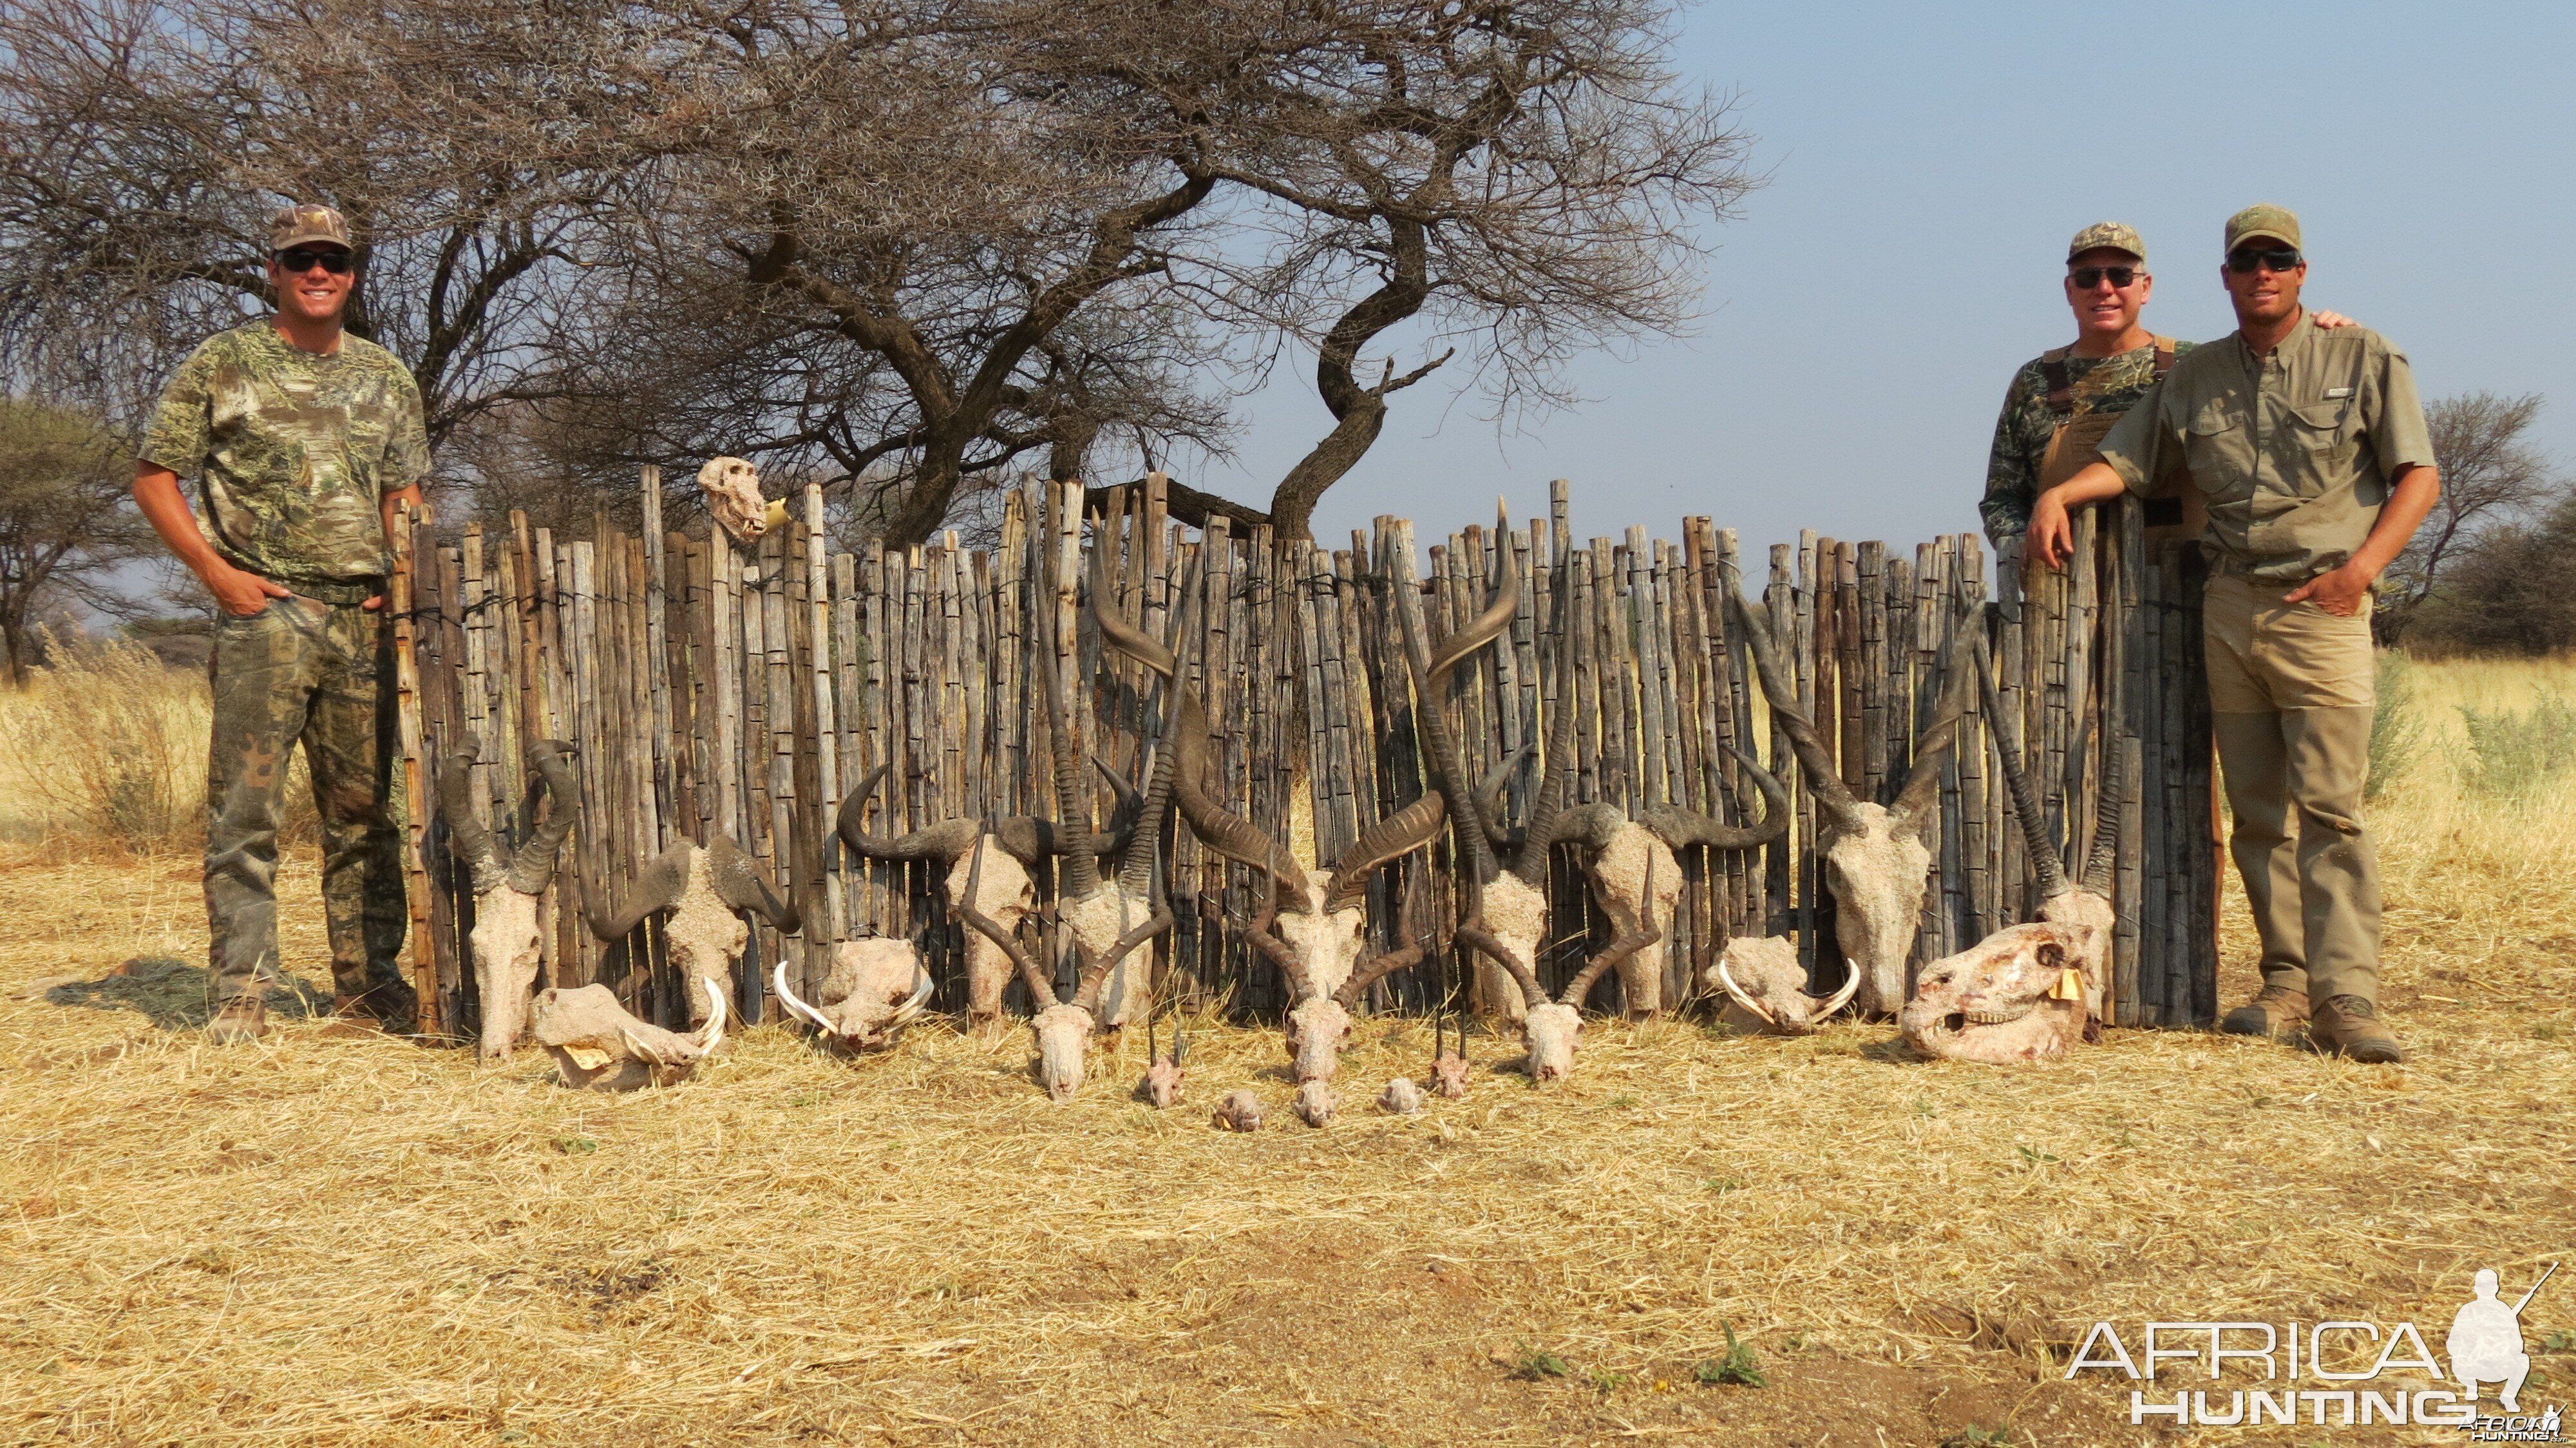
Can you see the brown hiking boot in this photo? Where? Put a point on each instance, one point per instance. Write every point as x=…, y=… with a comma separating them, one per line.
x=242, y=1018
x=392, y=1007
x=2276, y=1010
x=2349, y=1026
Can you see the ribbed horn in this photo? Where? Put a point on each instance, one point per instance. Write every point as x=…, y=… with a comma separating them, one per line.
x=2048, y=871
x=1094, y=976
x=1390, y=839
x=739, y=883
x=1782, y=696
x=2103, y=858
x=1641, y=934
x=1932, y=749
x=532, y=867
x=1041, y=986
x=468, y=838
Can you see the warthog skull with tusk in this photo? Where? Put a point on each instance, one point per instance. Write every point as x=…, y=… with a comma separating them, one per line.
x=876, y=987
x=507, y=884
x=597, y=1046
x=1766, y=988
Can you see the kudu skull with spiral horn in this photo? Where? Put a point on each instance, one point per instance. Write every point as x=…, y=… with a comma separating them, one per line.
x=2030, y=993
x=507, y=883
x=1876, y=863
x=1312, y=926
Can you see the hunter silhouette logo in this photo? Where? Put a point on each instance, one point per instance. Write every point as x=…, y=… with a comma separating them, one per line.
x=2486, y=1341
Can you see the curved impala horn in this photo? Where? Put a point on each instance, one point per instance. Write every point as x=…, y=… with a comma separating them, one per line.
x=1781, y=694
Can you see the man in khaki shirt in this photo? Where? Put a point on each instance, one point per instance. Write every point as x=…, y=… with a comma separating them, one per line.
x=2311, y=456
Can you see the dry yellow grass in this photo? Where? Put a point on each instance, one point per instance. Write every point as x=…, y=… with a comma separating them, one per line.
x=334, y=1238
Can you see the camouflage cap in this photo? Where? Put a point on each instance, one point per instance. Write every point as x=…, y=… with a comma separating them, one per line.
x=2116, y=235
x=2263, y=221
x=299, y=225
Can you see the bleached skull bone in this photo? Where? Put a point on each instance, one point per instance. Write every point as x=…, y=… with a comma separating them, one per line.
x=732, y=486
x=1006, y=894
x=1401, y=1097
x=1163, y=1083
x=1449, y=1076
x=1098, y=920
x=1516, y=917
x=705, y=938
x=1328, y=943
x=1878, y=871
x=1315, y=1102
x=873, y=989
x=598, y=1046
x=1319, y=1030
x=1765, y=988
x=507, y=952
x=1239, y=1111
x=1619, y=874
x=1551, y=1032
x=2005, y=1000
x=2082, y=907
x=1064, y=1036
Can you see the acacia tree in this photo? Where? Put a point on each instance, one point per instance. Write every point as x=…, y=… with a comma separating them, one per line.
x=64, y=519
x=2492, y=478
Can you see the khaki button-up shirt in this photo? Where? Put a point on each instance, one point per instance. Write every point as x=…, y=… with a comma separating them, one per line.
x=2295, y=451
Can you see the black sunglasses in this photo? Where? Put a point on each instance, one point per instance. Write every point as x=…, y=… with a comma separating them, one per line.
x=2086, y=278
x=300, y=261
x=2244, y=259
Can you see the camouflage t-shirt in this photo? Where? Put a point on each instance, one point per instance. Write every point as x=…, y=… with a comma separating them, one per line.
x=2101, y=384
x=293, y=451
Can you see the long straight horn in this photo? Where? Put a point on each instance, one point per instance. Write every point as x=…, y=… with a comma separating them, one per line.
x=1932, y=750
x=1378, y=966
x=1782, y=696
x=2049, y=871
x=532, y=869
x=468, y=838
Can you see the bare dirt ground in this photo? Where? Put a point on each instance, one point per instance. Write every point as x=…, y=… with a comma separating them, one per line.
x=339, y=1238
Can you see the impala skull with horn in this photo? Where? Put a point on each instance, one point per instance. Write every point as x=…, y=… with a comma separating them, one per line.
x=507, y=883
x=700, y=892
x=1314, y=926
x=1876, y=862
x=1319, y=1020
x=2030, y=992
x=1064, y=1029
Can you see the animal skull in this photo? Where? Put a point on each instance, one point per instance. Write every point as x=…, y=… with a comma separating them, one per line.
x=598, y=1046
x=732, y=487
x=1064, y=1029
x=1240, y=1111
x=1766, y=988
x=509, y=885
x=1401, y=1097
x=2017, y=996
x=1315, y=1102
x=699, y=892
x=876, y=987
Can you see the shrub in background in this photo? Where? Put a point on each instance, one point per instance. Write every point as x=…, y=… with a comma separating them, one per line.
x=2396, y=725
x=2518, y=752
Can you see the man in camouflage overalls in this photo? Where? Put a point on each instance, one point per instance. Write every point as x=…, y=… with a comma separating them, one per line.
x=303, y=440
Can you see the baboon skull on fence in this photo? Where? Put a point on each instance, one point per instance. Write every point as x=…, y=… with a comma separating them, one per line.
x=732, y=487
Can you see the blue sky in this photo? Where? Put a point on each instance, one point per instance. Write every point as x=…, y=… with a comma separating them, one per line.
x=1927, y=165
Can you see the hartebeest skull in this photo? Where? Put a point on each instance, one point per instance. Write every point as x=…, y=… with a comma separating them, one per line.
x=1876, y=862
x=1063, y=1029
x=876, y=987
x=507, y=884
x=598, y=1046
x=1766, y=988
x=732, y=486
x=701, y=889
x=2030, y=992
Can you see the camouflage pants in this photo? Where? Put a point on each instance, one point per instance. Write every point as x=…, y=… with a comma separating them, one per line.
x=322, y=673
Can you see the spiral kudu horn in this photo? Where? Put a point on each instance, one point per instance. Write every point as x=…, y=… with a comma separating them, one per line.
x=1782, y=695
x=2048, y=871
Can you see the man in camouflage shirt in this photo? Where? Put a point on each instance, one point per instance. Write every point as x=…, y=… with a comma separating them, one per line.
x=303, y=440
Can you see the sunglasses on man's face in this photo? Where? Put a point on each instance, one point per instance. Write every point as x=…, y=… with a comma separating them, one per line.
x=2244, y=259
x=300, y=261
x=2086, y=278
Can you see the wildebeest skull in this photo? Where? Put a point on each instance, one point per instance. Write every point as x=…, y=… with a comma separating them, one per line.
x=701, y=889
x=598, y=1046
x=732, y=487
x=507, y=884
x=876, y=987
x=1876, y=863
x=1766, y=988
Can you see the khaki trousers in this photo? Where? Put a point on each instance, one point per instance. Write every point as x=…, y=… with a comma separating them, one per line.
x=2291, y=688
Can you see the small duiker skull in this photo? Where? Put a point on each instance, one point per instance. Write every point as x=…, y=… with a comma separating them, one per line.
x=1315, y=1102
x=2017, y=996
x=1240, y=1111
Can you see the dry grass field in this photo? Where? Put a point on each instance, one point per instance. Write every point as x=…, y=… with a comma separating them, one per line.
x=339, y=1238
